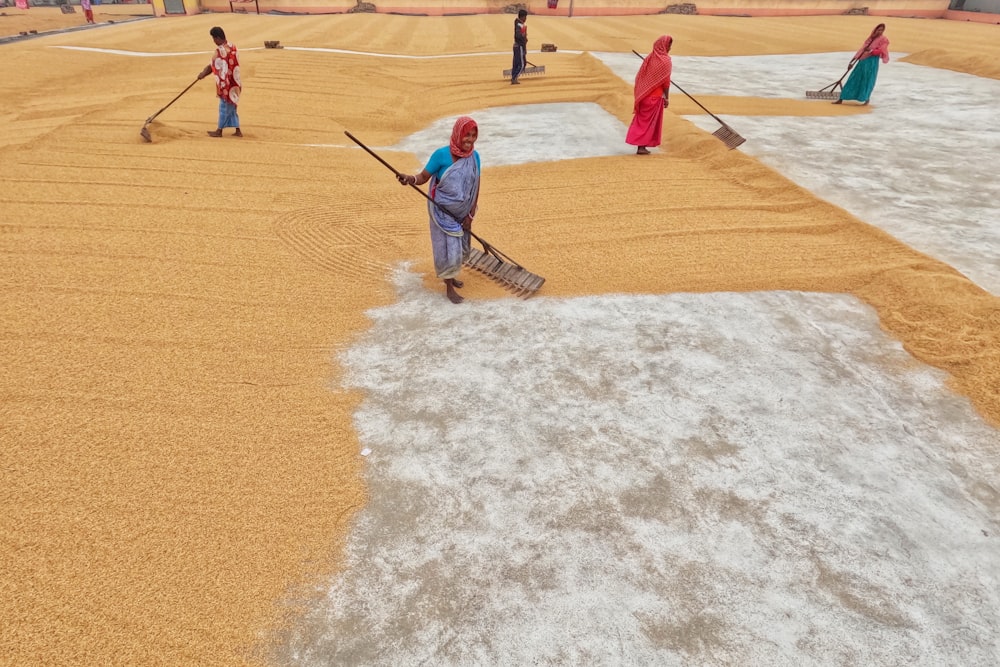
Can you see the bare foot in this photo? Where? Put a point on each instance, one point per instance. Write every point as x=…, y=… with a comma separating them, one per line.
x=515, y=83
x=642, y=151
x=839, y=102
x=238, y=133
x=864, y=104
x=454, y=296
x=458, y=284
x=215, y=133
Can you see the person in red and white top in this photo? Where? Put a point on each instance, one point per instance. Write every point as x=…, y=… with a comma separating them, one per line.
x=225, y=65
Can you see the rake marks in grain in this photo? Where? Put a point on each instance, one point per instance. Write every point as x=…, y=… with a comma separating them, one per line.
x=331, y=243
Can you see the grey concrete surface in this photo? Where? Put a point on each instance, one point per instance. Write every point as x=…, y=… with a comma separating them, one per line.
x=717, y=479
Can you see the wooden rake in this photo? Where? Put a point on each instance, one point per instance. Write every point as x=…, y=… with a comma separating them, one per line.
x=531, y=69
x=830, y=92
x=144, y=132
x=489, y=261
x=725, y=134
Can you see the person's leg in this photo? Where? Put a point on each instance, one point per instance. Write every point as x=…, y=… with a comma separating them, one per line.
x=870, y=79
x=517, y=66
x=861, y=82
x=228, y=117
x=447, y=252
x=466, y=249
x=647, y=125
x=452, y=295
x=222, y=119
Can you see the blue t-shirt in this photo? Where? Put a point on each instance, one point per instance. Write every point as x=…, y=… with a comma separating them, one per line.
x=441, y=159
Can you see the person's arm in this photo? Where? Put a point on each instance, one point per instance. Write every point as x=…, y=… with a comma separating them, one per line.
x=467, y=223
x=861, y=54
x=880, y=49
x=438, y=161
x=205, y=72
x=414, y=179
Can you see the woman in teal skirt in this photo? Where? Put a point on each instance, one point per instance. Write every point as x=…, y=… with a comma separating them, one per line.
x=860, y=84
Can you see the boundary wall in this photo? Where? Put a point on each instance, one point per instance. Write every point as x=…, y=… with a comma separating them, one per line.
x=899, y=8
x=975, y=17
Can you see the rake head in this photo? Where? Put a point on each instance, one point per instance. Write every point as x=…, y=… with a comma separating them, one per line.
x=145, y=134
x=728, y=136
x=830, y=92
x=512, y=277
x=527, y=71
x=822, y=94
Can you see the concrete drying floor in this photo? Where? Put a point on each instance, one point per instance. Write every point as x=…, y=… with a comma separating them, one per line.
x=759, y=478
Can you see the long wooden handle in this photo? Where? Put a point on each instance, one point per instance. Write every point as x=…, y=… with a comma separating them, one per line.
x=674, y=84
x=840, y=81
x=393, y=169
x=150, y=119
x=854, y=61
x=379, y=158
x=488, y=247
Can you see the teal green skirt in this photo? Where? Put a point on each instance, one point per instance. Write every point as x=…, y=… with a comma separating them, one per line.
x=860, y=84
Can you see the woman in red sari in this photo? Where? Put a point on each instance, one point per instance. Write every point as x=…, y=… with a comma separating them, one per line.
x=652, y=96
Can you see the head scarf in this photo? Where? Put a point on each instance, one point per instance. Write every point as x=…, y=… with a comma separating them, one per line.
x=462, y=127
x=874, y=30
x=877, y=46
x=655, y=69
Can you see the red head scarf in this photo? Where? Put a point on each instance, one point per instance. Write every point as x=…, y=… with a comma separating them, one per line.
x=462, y=127
x=876, y=45
x=875, y=30
x=655, y=69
